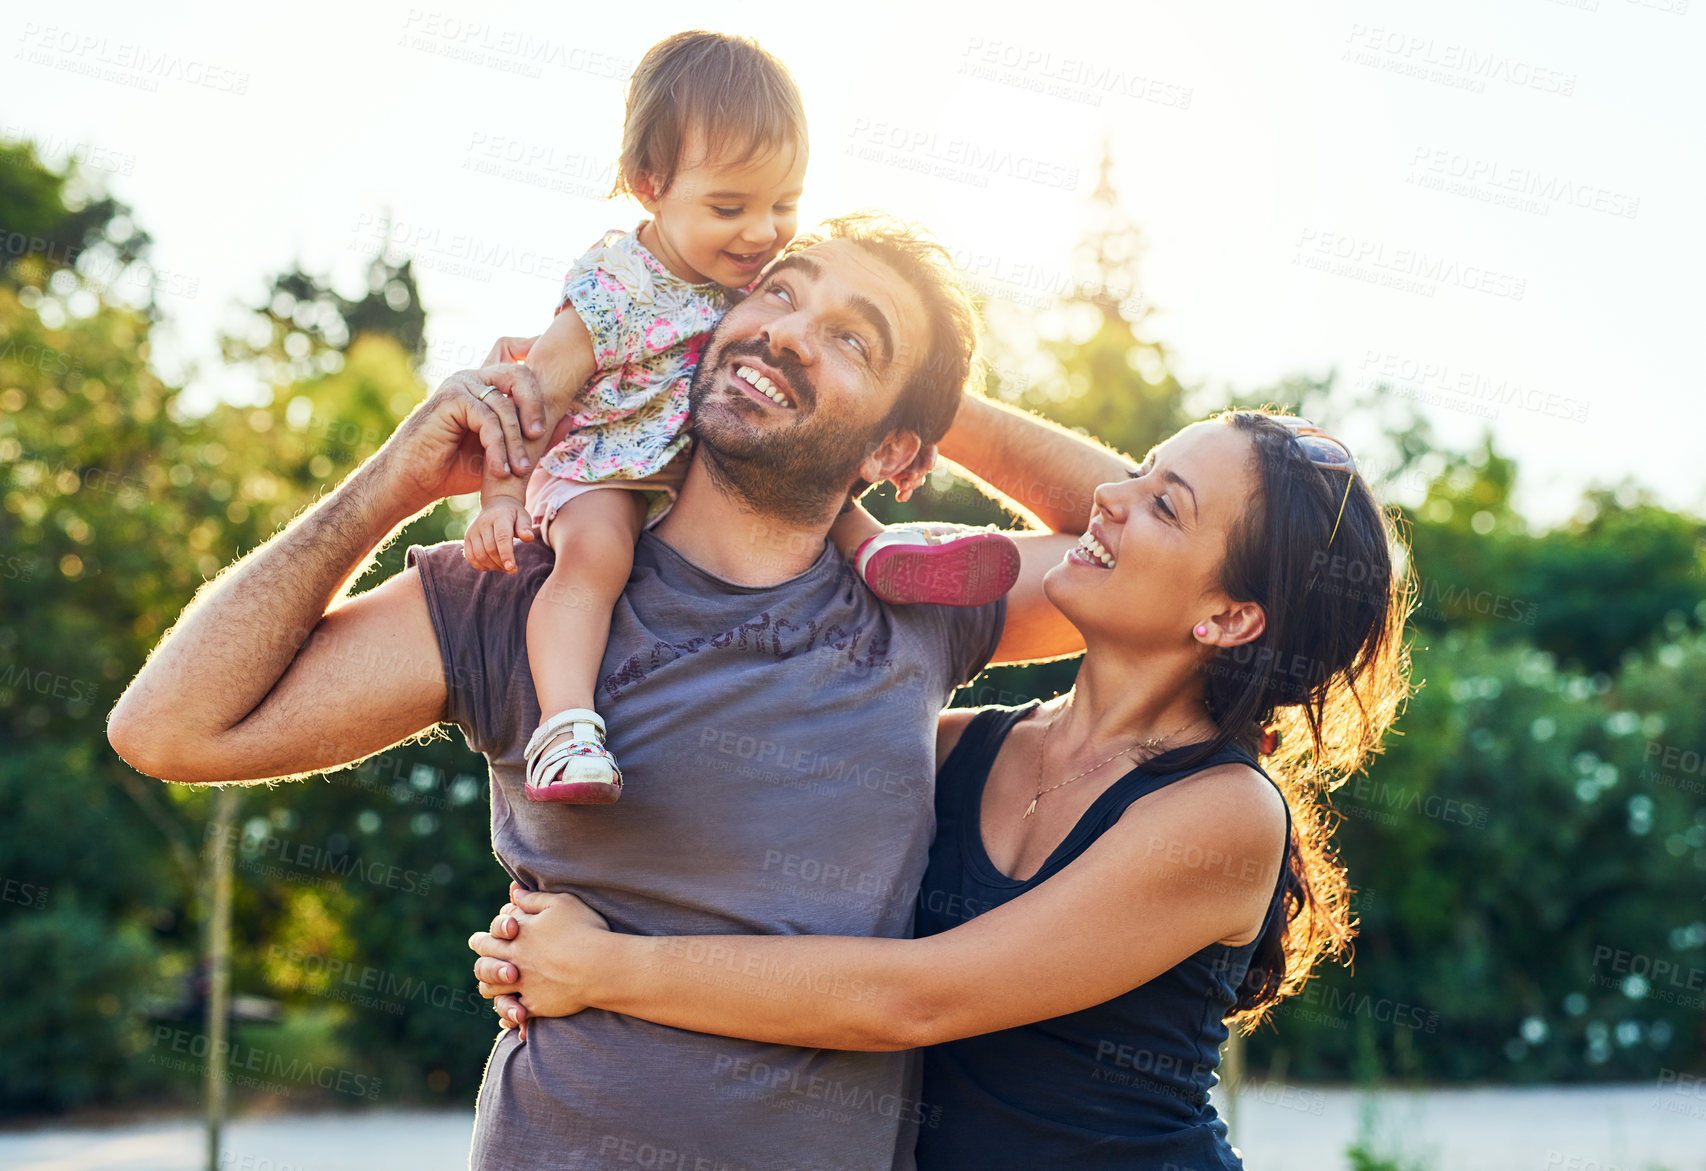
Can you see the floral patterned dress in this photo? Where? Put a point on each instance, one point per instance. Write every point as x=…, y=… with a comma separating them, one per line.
x=648, y=328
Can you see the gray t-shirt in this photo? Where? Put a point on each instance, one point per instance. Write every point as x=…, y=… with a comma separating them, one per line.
x=777, y=751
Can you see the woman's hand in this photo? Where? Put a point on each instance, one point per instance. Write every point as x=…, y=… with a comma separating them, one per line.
x=541, y=971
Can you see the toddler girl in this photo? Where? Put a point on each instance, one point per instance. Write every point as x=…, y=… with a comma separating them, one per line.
x=714, y=148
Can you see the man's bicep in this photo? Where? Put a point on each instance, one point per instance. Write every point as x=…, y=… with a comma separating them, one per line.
x=370, y=674
x=1035, y=629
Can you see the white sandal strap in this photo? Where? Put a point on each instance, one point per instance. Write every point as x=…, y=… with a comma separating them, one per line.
x=579, y=715
x=548, y=764
x=562, y=722
x=542, y=765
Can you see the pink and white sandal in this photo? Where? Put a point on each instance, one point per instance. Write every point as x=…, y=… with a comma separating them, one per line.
x=948, y=567
x=576, y=771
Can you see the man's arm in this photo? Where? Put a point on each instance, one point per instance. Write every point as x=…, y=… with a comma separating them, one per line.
x=1048, y=475
x=270, y=671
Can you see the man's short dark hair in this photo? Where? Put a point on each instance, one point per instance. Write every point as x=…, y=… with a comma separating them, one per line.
x=931, y=396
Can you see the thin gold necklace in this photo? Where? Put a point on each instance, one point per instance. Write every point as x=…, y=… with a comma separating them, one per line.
x=1042, y=757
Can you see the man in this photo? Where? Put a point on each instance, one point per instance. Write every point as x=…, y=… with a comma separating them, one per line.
x=775, y=720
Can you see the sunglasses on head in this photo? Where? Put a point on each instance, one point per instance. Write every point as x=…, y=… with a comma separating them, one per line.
x=1325, y=452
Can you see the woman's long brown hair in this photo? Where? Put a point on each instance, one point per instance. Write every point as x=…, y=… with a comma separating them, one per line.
x=1314, y=695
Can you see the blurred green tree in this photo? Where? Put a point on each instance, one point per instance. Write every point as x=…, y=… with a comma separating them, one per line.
x=1587, y=591
x=1110, y=380
x=303, y=322
x=60, y=221
x=117, y=504
x=1522, y=855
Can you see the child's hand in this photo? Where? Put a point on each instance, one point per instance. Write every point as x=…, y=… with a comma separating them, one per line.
x=911, y=478
x=490, y=540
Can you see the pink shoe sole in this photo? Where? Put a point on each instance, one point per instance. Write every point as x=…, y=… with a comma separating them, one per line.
x=576, y=793
x=973, y=570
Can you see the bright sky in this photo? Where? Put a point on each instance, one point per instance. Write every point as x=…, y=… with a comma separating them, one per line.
x=1489, y=204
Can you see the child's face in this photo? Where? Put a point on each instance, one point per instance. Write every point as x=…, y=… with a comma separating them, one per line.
x=723, y=221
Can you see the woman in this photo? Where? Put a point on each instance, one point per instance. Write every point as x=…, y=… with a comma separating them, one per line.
x=1114, y=875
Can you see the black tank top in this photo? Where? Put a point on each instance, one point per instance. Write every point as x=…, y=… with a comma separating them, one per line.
x=1123, y=1084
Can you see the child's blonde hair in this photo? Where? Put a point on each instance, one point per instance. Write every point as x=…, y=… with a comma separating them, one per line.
x=738, y=96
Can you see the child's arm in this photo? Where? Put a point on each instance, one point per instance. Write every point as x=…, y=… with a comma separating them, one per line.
x=562, y=361
x=856, y=525
x=853, y=528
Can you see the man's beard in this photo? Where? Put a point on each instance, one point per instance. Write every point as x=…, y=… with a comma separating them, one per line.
x=797, y=474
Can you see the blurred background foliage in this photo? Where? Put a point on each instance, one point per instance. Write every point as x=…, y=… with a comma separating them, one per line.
x=1530, y=852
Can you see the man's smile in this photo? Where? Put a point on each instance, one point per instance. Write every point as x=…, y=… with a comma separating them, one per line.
x=759, y=382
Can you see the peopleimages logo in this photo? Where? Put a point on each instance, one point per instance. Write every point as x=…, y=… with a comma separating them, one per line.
x=1451, y=63
x=1407, y=269
x=1075, y=79
x=139, y=66
x=304, y=856
x=1654, y=970
x=783, y=1079
x=947, y=156
x=364, y=985
x=1390, y=800
x=46, y=684
x=1441, y=383
x=245, y=1065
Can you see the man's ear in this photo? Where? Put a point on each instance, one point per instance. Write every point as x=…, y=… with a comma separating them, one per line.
x=891, y=457
x=1239, y=623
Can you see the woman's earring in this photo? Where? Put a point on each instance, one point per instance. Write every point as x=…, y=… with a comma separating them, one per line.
x=1201, y=630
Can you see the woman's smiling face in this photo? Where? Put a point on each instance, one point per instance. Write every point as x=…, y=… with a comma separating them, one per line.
x=1148, y=569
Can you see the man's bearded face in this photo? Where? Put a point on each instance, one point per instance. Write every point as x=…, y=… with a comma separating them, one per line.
x=786, y=467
